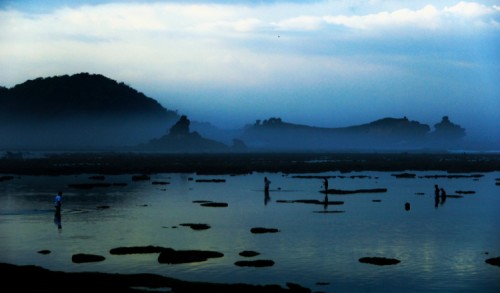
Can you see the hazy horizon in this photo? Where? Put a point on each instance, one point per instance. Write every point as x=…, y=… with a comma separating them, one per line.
x=229, y=63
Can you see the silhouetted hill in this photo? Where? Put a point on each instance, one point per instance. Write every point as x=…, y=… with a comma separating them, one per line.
x=90, y=111
x=386, y=133
x=81, y=94
x=81, y=110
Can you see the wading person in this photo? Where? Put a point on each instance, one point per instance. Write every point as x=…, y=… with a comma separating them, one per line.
x=325, y=184
x=267, y=182
x=58, y=202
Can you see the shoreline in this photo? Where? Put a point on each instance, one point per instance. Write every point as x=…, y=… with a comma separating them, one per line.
x=30, y=278
x=245, y=163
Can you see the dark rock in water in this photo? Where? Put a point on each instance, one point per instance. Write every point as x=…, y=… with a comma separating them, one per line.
x=249, y=253
x=495, y=261
x=311, y=201
x=104, y=207
x=453, y=176
x=196, y=226
x=6, y=177
x=140, y=177
x=260, y=230
x=211, y=180
x=297, y=288
x=137, y=250
x=405, y=175
x=82, y=258
x=170, y=256
x=44, y=251
x=465, y=192
x=380, y=261
x=255, y=263
x=201, y=201
x=88, y=185
x=407, y=206
x=160, y=183
x=339, y=191
x=376, y=200
x=329, y=212
x=214, y=204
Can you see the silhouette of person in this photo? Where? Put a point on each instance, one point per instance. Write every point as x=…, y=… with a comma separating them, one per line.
x=443, y=196
x=267, y=182
x=325, y=184
x=58, y=202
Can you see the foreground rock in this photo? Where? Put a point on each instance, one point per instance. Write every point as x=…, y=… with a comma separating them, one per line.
x=312, y=201
x=261, y=230
x=37, y=279
x=495, y=261
x=171, y=256
x=82, y=258
x=260, y=263
x=380, y=261
x=340, y=191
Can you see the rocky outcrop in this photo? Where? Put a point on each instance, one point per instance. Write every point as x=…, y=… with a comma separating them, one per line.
x=181, y=140
x=83, y=258
x=380, y=261
x=385, y=133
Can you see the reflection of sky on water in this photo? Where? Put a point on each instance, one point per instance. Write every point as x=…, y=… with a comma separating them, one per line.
x=443, y=248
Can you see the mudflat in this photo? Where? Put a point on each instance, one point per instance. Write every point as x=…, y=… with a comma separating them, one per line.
x=241, y=163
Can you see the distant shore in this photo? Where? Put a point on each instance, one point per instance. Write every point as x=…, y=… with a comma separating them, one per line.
x=244, y=163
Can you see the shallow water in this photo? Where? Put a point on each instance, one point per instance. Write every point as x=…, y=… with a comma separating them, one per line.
x=441, y=248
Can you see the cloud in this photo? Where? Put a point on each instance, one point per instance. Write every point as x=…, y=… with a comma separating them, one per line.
x=426, y=18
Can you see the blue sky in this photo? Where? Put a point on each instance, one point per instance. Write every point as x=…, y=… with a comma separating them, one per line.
x=322, y=63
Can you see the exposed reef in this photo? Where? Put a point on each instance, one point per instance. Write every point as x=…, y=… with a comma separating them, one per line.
x=380, y=261
x=245, y=163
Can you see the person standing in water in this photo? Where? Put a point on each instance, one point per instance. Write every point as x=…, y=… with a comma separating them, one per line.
x=58, y=202
x=267, y=182
x=57, y=205
x=325, y=184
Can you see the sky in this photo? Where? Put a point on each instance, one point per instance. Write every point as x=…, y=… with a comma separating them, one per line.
x=321, y=63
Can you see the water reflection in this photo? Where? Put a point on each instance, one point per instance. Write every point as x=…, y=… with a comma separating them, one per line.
x=443, y=196
x=267, y=197
x=58, y=219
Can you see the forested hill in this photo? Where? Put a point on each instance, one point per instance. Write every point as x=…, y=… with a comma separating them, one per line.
x=79, y=111
x=81, y=94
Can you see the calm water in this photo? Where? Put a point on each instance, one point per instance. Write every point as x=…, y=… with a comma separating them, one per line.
x=441, y=248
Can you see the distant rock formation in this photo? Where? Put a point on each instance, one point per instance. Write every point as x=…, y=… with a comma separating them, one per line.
x=181, y=140
x=386, y=133
x=446, y=133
